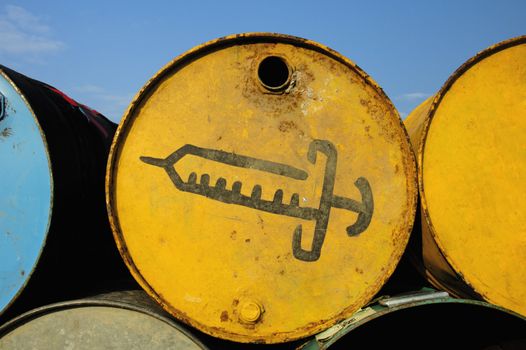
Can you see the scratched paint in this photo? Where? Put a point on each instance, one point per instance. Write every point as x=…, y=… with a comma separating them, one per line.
x=279, y=204
x=25, y=192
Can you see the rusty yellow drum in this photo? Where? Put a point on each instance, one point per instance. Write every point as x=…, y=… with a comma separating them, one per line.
x=261, y=188
x=472, y=165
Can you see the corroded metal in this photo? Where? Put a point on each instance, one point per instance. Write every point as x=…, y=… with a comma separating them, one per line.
x=260, y=176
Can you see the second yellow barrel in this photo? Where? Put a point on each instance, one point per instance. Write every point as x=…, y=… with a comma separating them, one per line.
x=471, y=150
x=261, y=188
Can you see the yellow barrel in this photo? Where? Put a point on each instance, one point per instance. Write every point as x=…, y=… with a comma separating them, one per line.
x=471, y=153
x=261, y=188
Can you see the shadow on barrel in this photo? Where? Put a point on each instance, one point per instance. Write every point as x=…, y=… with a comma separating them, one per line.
x=55, y=238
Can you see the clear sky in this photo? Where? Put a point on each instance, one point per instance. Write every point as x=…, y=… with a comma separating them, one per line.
x=101, y=52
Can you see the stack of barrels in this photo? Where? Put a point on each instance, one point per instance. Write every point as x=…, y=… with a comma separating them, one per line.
x=262, y=192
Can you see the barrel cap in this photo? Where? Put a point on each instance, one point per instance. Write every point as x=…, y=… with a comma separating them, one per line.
x=472, y=165
x=26, y=188
x=261, y=187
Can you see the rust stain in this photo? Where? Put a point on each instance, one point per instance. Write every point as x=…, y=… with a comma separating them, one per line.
x=360, y=271
x=224, y=316
x=377, y=110
x=247, y=240
x=372, y=108
x=270, y=103
x=261, y=222
x=289, y=125
x=233, y=235
x=6, y=132
x=333, y=65
x=252, y=326
x=367, y=131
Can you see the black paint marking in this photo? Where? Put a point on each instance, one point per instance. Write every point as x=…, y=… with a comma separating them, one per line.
x=230, y=159
x=321, y=215
x=2, y=107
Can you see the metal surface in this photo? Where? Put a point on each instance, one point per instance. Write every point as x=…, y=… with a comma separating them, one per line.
x=411, y=298
x=26, y=188
x=55, y=239
x=261, y=187
x=435, y=323
x=114, y=321
x=471, y=154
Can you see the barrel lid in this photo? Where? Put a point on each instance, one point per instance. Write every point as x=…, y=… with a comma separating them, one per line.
x=95, y=324
x=473, y=163
x=261, y=187
x=26, y=187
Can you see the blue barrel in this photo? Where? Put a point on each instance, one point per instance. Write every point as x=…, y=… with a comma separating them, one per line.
x=55, y=239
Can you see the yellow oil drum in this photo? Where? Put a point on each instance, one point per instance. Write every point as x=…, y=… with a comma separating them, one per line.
x=471, y=153
x=261, y=188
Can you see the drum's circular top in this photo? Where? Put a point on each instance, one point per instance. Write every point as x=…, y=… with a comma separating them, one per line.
x=473, y=161
x=261, y=187
x=94, y=324
x=26, y=187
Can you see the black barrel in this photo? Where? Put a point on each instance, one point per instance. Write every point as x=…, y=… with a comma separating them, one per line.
x=55, y=239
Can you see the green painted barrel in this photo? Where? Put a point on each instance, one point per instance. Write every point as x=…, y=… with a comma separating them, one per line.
x=426, y=320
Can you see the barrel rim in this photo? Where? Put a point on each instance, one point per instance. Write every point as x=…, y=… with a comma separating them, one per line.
x=437, y=98
x=28, y=275
x=192, y=55
x=91, y=302
x=384, y=310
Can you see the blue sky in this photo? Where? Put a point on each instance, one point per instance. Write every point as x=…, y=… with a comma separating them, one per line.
x=102, y=52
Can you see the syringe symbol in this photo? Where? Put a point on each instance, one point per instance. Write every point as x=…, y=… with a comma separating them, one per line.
x=321, y=214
